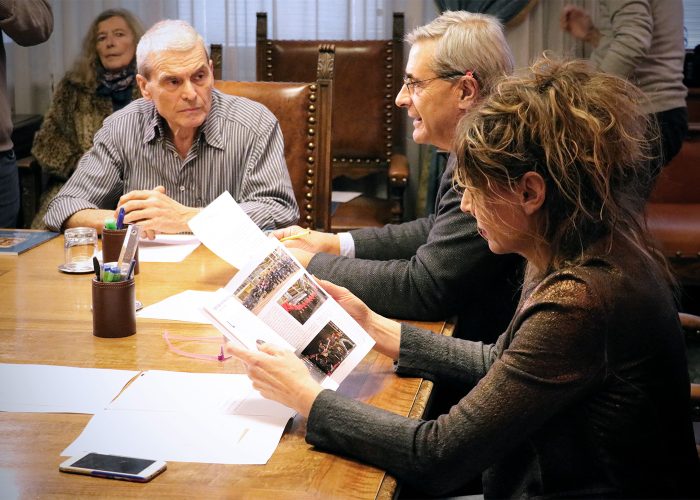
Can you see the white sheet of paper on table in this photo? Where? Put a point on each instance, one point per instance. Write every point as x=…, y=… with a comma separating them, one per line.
x=167, y=248
x=185, y=306
x=187, y=417
x=224, y=393
x=181, y=436
x=59, y=389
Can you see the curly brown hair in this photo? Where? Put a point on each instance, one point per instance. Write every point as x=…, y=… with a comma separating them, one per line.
x=585, y=133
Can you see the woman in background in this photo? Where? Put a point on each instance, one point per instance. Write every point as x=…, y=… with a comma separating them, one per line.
x=586, y=393
x=102, y=80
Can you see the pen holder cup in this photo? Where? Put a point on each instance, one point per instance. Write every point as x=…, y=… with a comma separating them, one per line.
x=113, y=308
x=112, y=240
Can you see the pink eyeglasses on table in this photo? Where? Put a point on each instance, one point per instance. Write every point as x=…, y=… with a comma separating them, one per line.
x=207, y=357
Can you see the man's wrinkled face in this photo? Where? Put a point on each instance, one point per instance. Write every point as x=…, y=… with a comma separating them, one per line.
x=180, y=85
x=433, y=102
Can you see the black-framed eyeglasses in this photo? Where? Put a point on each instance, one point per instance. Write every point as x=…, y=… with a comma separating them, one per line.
x=411, y=84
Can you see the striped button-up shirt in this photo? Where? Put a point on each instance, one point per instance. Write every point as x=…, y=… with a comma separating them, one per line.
x=239, y=149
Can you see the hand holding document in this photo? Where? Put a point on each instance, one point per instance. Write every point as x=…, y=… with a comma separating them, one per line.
x=272, y=298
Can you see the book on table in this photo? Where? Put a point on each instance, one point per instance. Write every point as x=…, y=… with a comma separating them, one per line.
x=272, y=297
x=17, y=241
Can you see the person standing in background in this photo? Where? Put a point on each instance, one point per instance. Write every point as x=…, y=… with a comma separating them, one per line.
x=641, y=40
x=101, y=81
x=27, y=22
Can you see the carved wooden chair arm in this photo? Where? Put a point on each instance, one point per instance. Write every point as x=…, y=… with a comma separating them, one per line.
x=398, y=171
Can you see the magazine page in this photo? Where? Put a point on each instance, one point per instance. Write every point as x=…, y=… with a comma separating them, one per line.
x=238, y=324
x=272, y=298
x=286, y=298
x=225, y=229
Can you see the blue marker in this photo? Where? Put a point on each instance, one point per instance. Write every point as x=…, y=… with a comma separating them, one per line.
x=120, y=218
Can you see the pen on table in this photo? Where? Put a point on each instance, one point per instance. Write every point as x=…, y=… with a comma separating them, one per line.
x=296, y=236
x=98, y=270
x=120, y=218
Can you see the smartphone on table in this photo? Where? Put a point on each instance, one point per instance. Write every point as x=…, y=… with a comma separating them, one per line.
x=139, y=470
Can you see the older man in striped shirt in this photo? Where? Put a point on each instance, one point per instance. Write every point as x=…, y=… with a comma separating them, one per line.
x=166, y=155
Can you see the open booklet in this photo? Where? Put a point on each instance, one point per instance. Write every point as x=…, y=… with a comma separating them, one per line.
x=272, y=297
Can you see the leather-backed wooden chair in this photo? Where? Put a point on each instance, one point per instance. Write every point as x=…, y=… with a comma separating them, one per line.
x=304, y=114
x=368, y=129
x=673, y=211
x=31, y=178
x=31, y=186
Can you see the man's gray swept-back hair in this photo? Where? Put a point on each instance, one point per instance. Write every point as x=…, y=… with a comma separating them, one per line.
x=466, y=41
x=170, y=34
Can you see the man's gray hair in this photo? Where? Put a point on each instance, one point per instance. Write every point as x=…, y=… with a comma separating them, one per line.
x=466, y=41
x=170, y=34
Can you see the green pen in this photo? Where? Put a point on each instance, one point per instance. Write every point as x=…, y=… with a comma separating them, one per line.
x=107, y=274
x=111, y=274
x=110, y=223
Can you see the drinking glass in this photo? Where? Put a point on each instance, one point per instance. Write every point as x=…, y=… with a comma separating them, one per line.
x=80, y=246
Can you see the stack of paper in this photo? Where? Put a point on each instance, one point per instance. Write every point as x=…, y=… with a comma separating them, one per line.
x=187, y=417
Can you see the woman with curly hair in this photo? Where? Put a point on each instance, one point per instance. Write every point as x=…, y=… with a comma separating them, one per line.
x=102, y=80
x=586, y=393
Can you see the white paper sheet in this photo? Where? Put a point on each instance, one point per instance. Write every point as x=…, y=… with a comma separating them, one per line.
x=227, y=231
x=184, y=306
x=167, y=248
x=344, y=196
x=59, y=389
x=187, y=417
x=181, y=436
x=207, y=393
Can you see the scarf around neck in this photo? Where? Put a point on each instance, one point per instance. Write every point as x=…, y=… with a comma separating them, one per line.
x=116, y=84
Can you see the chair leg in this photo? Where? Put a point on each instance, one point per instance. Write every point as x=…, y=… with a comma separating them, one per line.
x=30, y=184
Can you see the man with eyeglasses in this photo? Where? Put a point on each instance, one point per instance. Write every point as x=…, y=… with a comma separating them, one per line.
x=436, y=266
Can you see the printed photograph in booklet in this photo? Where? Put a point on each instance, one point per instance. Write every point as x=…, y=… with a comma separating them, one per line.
x=302, y=299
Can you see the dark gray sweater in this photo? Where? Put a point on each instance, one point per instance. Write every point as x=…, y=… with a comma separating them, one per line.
x=585, y=394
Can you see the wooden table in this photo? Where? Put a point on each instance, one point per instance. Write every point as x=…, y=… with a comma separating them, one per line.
x=45, y=318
